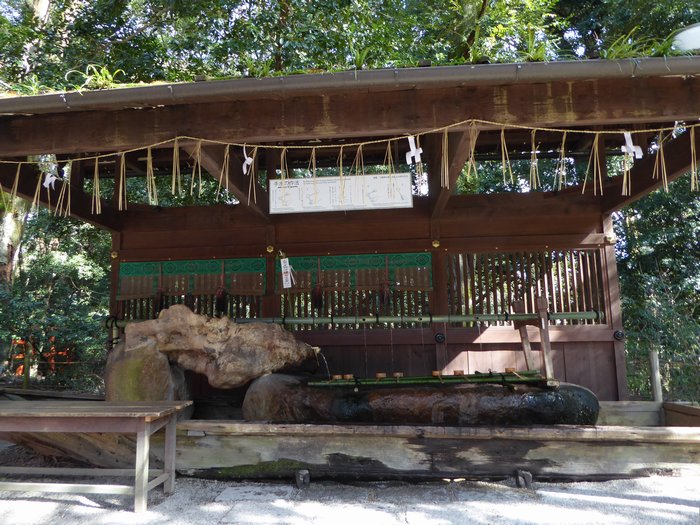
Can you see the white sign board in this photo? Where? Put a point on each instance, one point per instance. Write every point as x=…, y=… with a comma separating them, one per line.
x=357, y=192
x=287, y=277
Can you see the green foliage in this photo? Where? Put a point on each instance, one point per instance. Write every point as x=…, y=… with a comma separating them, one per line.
x=95, y=77
x=631, y=45
x=594, y=26
x=659, y=265
x=62, y=291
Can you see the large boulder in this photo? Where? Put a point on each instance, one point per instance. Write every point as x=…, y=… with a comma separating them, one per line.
x=142, y=373
x=284, y=398
x=229, y=354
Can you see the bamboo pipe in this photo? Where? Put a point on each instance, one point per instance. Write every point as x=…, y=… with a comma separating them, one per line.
x=379, y=319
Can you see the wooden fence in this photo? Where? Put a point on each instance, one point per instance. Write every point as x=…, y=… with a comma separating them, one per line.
x=488, y=283
x=399, y=285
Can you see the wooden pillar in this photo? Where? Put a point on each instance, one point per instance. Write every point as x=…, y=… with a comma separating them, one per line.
x=439, y=305
x=114, y=277
x=271, y=304
x=612, y=290
x=169, y=453
x=545, y=345
x=143, y=437
x=613, y=306
x=521, y=326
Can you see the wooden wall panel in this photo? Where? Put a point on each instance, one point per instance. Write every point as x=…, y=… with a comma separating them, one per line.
x=591, y=365
x=479, y=224
x=366, y=361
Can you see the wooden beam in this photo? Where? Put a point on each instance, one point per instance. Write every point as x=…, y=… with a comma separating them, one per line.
x=80, y=202
x=212, y=158
x=677, y=157
x=602, y=102
x=458, y=149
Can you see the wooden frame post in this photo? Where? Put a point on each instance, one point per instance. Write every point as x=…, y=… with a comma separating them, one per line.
x=169, y=453
x=545, y=345
x=439, y=305
x=614, y=307
x=521, y=326
x=141, y=467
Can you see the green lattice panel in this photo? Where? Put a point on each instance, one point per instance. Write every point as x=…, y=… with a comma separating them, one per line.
x=352, y=263
x=139, y=275
x=139, y=269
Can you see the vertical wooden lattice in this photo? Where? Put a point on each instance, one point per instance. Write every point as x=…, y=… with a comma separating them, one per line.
x=488, y=283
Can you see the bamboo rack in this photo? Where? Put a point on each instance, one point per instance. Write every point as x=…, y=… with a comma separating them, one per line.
x=389, y=319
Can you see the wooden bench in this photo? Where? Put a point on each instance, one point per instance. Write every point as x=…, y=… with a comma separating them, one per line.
x=141, y=418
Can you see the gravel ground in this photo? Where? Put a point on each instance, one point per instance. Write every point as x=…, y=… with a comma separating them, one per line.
x=654, y=500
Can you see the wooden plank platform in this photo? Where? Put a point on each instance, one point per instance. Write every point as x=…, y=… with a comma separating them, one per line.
x=223, y=449
x=141, y=418
x=35, y=393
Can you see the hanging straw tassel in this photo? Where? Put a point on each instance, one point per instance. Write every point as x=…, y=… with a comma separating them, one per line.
x=358, y=168
x=419, y=165
x=312, y=169
x=389, y=163
x=389, y=158
x=151, y=188
x=594, y=161
x=37, y=191
x=96, y=200
x=534, y=168
x=284, y=167
x=660, y=164
x=694, y=186
x=59, y=200
x=63, y=201
x=340, y=173
x=284, y=171
x=223, y=175
x=627, y=162
x=197, y=168
x=561, y=165
x=252, y=174
x=176, y=183
x=473, y=135
x=69, y=174
x=122, y=183
x=505, y=159
x=358, y=162
x=445, y=164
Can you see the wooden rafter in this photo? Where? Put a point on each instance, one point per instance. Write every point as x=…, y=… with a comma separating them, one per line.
x=458, y=149
x=80, y=201
x=678, y=159
x=212, y=158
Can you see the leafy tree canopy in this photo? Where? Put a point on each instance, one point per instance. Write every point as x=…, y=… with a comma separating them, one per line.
x=43, y=41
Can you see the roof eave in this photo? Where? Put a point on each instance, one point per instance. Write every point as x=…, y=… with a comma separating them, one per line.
x=350, y=81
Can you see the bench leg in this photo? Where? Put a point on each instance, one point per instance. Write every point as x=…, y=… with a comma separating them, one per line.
x=170, y=439
x=143, y=438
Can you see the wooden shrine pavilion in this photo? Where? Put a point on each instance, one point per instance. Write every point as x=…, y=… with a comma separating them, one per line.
x=433, y=268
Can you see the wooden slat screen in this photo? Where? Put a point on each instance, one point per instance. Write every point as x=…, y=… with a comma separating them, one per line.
x=488, y=283
x=146, y=288
x=359, y=285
